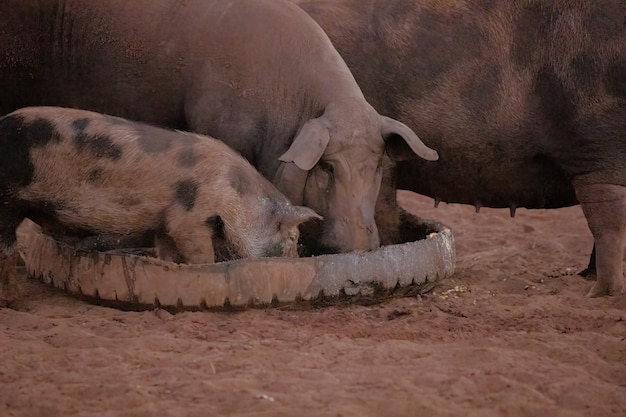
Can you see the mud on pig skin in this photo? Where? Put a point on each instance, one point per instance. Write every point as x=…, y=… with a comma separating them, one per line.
x=524, y=100
x=260, y=75
x=85, y=172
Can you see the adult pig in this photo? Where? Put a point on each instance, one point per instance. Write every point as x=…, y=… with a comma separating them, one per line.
x=259, y=74
x=88, y=173
x=524, y=100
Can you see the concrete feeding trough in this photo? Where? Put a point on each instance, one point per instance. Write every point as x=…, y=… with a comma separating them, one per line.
x=130, y=281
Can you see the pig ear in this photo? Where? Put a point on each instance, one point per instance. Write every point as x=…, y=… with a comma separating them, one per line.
x=294, y=215
x=309, y=144
x=390, y=127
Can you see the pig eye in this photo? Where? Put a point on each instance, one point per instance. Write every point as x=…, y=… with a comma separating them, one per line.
x=324, y=176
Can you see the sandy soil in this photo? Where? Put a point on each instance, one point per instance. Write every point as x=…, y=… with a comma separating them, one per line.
x=509, y=335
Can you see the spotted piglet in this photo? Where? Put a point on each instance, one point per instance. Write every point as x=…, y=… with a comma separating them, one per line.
x=88, y=173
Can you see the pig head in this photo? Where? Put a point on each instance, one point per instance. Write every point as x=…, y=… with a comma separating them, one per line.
x=334, y=165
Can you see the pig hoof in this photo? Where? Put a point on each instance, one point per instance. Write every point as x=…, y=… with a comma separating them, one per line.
x=601, y=290
x=597, y=291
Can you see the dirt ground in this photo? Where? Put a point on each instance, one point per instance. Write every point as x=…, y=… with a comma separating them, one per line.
x=509, y=335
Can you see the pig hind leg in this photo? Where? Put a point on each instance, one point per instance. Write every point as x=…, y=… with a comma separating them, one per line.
x=604, y=206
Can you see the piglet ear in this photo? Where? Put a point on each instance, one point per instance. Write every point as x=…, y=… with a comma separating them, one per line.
x=309, y=144
x=294, y=215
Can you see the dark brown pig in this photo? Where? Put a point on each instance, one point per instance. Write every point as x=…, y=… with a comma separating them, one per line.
x=524, y=100
x=88, y=173
x=259, y=74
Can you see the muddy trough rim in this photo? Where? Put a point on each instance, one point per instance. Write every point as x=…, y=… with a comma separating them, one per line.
x=137, y=282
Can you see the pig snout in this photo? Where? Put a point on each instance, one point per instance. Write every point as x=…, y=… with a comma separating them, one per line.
x=351, y=233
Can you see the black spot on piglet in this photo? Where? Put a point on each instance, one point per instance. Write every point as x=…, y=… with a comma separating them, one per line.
x=153, y=143
x=186, y=193
x=17, y=137
x=239, y=180
x=80, y=124
x=101, y=146
x=95, y=175
x=40, y=132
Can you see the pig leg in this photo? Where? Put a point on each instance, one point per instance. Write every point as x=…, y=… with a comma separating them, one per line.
x=192, y=236
x=604, y=206
x=166, y=249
